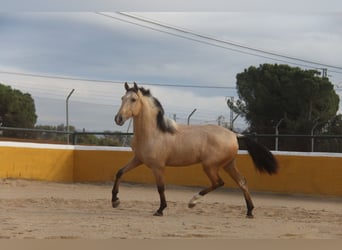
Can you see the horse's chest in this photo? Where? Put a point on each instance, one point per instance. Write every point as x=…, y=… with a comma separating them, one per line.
x=150, y=154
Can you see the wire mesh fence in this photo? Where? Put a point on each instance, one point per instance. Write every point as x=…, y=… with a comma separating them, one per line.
x=281, y=142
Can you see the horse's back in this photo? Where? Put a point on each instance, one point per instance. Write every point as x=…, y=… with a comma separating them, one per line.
x=209, y=133
x=202, y=143
x=219, y=140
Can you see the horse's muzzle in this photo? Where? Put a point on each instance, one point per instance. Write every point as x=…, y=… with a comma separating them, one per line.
x=119, y=120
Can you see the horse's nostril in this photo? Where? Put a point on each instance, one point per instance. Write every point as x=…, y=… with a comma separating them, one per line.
x=118, y=119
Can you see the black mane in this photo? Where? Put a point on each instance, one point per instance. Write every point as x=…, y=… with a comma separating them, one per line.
x=163, y=123
x=145, y=92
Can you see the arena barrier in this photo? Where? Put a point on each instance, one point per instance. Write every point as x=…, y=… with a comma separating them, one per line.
x=304, y=173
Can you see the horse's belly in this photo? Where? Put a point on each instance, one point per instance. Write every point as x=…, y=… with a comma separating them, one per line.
x=183, y=159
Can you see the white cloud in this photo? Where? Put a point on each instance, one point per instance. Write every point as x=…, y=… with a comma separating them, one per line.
x=168, y=5
x=87, y=45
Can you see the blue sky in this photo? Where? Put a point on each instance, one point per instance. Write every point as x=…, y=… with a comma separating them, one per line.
x=91, y=46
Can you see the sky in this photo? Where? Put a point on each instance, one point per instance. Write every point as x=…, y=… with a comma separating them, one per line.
x=47, y=54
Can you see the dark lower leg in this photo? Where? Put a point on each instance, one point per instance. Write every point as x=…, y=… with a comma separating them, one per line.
x=250, y=207
x=163, y=204
x=115, y=190
x=133, y=163
x=242, y=183
x=211, y=188
x=249, y=203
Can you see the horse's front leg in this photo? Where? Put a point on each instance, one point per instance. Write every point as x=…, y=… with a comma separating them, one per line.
x=133, y=163
x=159, y=175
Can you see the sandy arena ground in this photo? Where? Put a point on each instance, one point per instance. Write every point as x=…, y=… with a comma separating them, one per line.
x=46, y=210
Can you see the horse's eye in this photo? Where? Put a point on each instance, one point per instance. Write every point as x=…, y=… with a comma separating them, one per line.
x=133, y=100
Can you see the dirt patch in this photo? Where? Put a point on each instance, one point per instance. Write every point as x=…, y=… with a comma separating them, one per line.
x=47, y=210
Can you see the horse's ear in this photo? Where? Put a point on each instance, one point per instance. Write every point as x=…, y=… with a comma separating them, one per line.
x=126, y=86
x=136, y=87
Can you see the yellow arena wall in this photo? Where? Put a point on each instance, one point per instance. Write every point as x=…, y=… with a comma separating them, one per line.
x=305, y=173
x=36, y=161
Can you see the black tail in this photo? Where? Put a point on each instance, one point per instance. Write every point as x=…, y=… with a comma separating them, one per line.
x=263, y=159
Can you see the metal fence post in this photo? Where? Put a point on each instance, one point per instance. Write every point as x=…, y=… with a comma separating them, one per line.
x=67, y=113
x=277, y=134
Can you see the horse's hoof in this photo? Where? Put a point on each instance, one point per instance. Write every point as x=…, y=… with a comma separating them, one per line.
x=250, y=216
x=191, y=205
x=194, y=200
x=115, y=203
x=158, y=213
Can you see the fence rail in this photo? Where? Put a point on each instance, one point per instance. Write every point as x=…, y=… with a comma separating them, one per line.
x=74, y=136
x=282, y=142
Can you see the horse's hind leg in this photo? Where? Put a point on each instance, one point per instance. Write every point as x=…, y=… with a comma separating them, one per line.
x=241, y=181
x=215, y=180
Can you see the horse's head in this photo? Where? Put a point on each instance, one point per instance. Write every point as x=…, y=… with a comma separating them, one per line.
x=130, y=106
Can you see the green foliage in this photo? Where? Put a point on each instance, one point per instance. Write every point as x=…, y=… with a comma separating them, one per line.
x=49, y=135
x=106, y=139
x=17, y=109
x=113, y=139
x=334, y=126
x=52, y=135
x=274, y=92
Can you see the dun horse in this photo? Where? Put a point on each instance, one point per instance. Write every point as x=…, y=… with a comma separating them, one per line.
x=159, y=142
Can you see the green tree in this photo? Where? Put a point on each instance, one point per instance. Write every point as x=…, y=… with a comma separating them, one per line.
x=334, y=126
x=301, y=99
x=274, y=92
x=17, y=109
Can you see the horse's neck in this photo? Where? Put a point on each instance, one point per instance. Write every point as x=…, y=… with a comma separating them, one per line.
x=145, y=125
